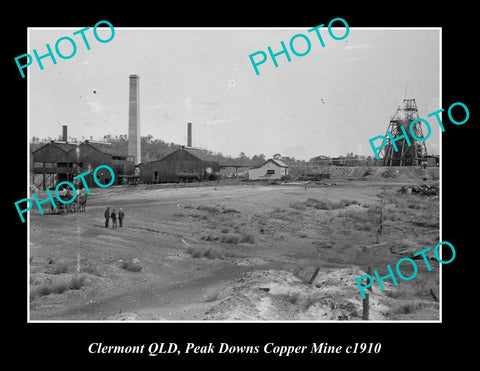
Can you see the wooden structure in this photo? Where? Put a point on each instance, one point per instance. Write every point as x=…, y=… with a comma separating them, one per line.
x=57, y=161
x=184, y=164
x=271, y=169
x=401, y=150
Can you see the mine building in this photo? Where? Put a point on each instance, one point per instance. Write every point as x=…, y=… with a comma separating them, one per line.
x=184, y=164
x=59, y=161
x=270, y=170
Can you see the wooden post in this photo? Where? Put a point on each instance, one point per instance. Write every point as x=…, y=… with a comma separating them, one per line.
x=369, y=272
x=366, y=305
x=380, y=223
x=315, y=274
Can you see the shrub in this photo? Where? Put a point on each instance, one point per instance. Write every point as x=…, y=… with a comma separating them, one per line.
x=322, y=244
x=212, y=254
x=195, y=253
x=211, y=210
x=90, y=269
x=59, y=288
x=323, y=204
x=230, y=211
x=75, y=283
x=298, y=206
x=292, y=297
x=231, y=238
x=210, y=237
x=209, y=253
x=211, y=296
x=248, y=238
x=390, y=173
x=58, y=268
x=131, y=266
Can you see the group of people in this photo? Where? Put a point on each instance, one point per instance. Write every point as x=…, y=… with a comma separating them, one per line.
x=114, y=217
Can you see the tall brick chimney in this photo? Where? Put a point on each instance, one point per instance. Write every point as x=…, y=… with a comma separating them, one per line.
x=189, y=135
x=64, y=133
x=134, y=144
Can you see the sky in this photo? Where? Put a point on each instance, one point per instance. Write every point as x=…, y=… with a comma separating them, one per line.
x=329, y=102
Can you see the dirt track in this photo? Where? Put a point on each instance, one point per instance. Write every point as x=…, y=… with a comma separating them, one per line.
x=214, y=252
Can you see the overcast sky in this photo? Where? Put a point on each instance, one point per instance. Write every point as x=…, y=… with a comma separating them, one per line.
x=330, y=102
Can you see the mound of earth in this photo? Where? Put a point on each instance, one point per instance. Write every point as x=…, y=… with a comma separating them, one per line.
x=279, y=295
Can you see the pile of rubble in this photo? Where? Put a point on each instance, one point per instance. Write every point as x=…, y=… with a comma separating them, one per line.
x=423, y=189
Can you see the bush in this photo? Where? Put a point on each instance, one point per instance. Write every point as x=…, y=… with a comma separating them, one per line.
x=230, y=211
x=210, y=237
x=322, y=244
x=209, y=253
x=58, y=268
x=298, y=206
x=75, y=283
x=248, y=238
x=322, y=204
x=211, y=210
x=90, y=269
x=292, y=297
x=231, y=238
x=390, y=173
x=131, y=266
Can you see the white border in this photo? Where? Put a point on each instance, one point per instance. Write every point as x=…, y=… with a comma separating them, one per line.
x=440, y=320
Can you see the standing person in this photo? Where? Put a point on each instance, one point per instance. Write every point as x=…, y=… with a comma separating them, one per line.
x=107, y=216
x=120, y=217
x=113, y=215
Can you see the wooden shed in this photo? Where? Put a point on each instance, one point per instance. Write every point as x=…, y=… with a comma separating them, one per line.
x=56, y=162
x=271, y=169
x=184, y=164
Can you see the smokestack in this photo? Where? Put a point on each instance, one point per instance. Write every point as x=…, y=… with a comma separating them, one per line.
x=189, y=134
x=134, y=148
x=64, y=133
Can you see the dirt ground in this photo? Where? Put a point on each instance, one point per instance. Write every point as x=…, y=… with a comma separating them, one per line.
x=236, y=251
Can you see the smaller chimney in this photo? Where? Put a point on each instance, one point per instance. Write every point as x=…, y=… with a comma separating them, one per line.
x=64, y=133
x=189, y=134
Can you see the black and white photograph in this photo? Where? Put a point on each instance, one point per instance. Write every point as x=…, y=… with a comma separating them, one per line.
x=217, y=185
x=235, y=190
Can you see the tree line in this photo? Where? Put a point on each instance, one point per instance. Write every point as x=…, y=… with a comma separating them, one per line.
x=155, y=149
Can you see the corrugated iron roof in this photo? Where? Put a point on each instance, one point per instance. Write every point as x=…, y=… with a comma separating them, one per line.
x=278, y=162
x=66, y=147
x=105, y=148
x=200, y=154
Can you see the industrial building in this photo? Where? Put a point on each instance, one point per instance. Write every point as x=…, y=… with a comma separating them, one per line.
x=271, y=169
x=59, y=161
x=184, y=164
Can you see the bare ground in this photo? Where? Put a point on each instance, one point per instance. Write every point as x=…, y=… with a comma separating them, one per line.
x=235, y=252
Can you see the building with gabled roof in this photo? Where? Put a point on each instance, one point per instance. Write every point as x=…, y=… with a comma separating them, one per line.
x=185, y=163
x=59, y=161
x=271, y=169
